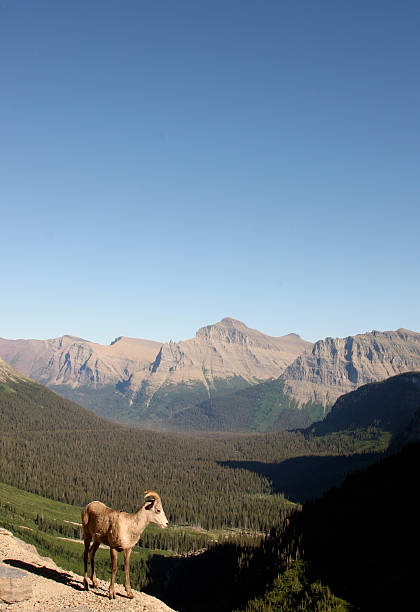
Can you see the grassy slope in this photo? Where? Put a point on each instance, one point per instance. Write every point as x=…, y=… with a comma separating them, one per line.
x=31, y=505
x=51, y=525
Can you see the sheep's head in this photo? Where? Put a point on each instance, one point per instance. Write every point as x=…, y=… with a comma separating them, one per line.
x=153, y=505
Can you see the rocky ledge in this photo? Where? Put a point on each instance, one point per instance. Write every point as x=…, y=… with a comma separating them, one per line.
x=29, y=582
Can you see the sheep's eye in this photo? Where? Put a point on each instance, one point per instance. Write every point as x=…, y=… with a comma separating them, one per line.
x=157, y=510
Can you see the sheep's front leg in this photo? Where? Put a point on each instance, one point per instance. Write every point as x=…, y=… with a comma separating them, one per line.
x=92, y=552
x=127, y=553
x=114, y=557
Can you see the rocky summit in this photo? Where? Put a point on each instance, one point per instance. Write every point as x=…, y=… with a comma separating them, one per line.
x=226, y=353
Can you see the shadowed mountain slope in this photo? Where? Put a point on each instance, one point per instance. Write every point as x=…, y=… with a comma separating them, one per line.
x=362, y=538
x=389, y=405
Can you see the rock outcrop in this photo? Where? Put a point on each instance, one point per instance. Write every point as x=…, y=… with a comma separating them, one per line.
x=76, y=362
x=31, y=582
x=335, y=366
x=225, y=351
x=15, y=584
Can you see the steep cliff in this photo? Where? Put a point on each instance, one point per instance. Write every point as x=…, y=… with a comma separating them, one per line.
x=335, y=366
x=73, y=361
x=226, y=354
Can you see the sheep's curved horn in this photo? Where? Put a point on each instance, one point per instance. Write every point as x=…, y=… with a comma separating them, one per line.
x=150, y=496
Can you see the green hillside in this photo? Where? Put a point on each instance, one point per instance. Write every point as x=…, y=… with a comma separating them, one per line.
x=258, y=408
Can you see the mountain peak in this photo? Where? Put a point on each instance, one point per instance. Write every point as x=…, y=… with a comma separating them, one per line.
x=226, y=325
x=230, y=322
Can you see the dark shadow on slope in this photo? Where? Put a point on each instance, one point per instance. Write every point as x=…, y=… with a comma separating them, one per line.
x=58, y=576
x=223, y=578
x=303, y=478
x=362, y=538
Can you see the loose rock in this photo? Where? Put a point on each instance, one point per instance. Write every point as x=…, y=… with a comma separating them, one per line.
x=15, y=584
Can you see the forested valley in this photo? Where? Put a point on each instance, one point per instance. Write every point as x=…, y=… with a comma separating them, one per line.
x=247, y=489
x=57, y=449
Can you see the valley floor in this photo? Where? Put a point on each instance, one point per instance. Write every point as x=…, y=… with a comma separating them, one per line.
x=56, y=590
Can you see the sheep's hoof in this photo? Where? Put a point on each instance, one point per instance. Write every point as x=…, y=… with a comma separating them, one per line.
x=130, y=594
x=112, y=594
x=86, y=584
x=95, y=583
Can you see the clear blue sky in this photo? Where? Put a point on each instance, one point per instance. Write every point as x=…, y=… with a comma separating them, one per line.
x=168, y=163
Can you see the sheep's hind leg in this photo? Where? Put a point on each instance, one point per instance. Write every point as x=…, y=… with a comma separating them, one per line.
x=114, y=557
x=127, y=553
x=87, y=538
x=92, y=552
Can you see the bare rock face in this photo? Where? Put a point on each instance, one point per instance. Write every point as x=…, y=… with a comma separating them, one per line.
x=139, y=368
x=15, y=584
x=75, y=362
x=223, y=351
x=335, y=366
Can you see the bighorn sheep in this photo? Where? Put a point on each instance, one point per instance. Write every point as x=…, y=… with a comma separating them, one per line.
x=119, y=531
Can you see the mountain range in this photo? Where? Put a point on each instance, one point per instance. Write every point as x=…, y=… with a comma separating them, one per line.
x=228, y=377
x=141, y=380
